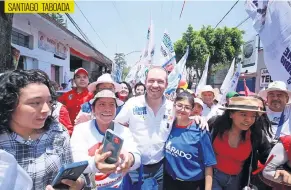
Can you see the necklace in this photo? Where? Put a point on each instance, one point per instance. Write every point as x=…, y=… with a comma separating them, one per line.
x=29, y=141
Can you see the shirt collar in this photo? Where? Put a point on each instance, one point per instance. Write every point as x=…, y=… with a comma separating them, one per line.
x=54, y=127
x=84, y=91
x=163, y=100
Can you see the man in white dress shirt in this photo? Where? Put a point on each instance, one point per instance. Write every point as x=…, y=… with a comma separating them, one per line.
x=278, y=97
x=150, y=118
x=207, y=94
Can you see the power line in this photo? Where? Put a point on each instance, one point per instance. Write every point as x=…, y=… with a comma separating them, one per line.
x=243, y=22
x=91, y=25
x=79, y=29
x=124, y=25
x=226, y=14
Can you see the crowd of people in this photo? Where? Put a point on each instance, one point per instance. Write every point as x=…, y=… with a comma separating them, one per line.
x=189, y=142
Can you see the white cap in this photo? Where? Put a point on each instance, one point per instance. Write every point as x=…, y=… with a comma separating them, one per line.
x=106, y=94
x=198, y=101
x=275, y=86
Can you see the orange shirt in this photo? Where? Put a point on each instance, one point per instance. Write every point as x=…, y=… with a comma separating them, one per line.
x=73, y=101
x=230, y=160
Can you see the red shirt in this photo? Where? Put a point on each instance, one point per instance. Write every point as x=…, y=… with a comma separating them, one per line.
x=230, y=160
x=73, y=101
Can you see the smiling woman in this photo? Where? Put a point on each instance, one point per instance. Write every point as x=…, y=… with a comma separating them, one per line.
x=88, y=137
x=27, y=129
x=187, y=169
x=238, y=142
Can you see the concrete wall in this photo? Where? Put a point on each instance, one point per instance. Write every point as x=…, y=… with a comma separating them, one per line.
x=37, y=58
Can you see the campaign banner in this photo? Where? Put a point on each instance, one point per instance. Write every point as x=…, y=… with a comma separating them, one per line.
x=51, y=45
x=203, y=79
x=175, y=76
x=168, y=55
x=271, y=19
x=227, y=79
x=131, y=76
x=232, y=85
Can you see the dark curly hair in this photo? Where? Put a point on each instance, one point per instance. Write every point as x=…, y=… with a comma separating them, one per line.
x=11, y=83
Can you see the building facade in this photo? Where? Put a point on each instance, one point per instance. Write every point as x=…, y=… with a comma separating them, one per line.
x=47, y=45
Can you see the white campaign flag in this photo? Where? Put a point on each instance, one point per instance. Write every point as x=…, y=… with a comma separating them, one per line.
x=227, y=79
x=138, y=72
x=168, y=58
x=175, y=76
x=203, y=80
x=271, y=19
x=147, y=58
x=232, y=84
x=151, y=43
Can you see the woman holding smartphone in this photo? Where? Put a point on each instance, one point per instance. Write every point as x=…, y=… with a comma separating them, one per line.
x=189, y=154
x=28, y=131
x=87, y=144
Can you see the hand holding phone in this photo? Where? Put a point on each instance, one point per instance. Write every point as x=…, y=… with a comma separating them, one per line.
x=69, y=172
x=100, y=158
x=112, y=143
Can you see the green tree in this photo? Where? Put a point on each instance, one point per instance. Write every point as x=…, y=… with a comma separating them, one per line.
x=221, y=44
x=5, y=39
x=120, y=63
x=59, y=18
x=125, y=72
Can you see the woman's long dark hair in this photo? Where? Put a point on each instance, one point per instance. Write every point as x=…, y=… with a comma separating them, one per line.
x=266, y=123
x=129, y=90
x=223, y=124
x=11, y=83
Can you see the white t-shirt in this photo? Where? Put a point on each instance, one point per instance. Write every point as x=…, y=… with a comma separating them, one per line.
x=86, y=135
x=274, y=117
x=149, y=131
x=211, y=112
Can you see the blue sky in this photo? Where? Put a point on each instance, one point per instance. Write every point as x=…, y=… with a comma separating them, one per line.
x=123, y=29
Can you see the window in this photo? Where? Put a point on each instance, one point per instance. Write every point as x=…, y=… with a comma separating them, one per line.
x=55, y=73
x=20, y=39
x=21, y=63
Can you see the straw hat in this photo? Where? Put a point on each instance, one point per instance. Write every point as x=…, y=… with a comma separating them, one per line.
x=105, y=78
x=207, y=88
x=275, y=86
x=244, y=103
x=106, y=94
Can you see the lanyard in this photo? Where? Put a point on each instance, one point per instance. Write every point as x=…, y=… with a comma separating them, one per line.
x=280, y=125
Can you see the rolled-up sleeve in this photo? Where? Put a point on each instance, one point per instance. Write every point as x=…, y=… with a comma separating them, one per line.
x=80, y=149
x=123, y=116
x=280, y=158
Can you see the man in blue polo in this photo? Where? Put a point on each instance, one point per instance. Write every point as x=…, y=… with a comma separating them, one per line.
x=150, y=119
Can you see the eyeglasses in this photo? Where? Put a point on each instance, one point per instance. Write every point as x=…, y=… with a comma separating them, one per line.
x=185, y=107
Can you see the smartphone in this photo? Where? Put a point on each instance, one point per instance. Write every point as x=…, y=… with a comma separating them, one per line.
x=112, y=142
x=69, y=171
